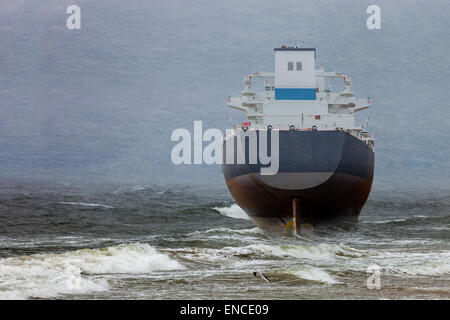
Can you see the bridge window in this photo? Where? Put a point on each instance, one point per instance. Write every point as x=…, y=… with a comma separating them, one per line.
x=290, y=66
x=299, y=66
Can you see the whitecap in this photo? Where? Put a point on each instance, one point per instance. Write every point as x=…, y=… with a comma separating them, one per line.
x=429, y=269
x=384, y=221
x=258, y=251
x=86, y=204
x=311, y=273
x=76, y=272
x=234, y=211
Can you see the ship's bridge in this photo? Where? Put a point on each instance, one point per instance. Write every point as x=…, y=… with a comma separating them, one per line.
x=295, y=77
x=297, y=96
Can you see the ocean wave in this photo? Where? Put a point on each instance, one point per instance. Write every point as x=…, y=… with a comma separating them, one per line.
x=263, y=251
x=131, y=189
x=431, y=263
x=233, y=211
x=412, y=220
x=136, y=188
x=311, y=273
x=430, y=269
x=73, y=272
x=384, y=221
x=314, y=252
x=86, y=204
x=213, y=231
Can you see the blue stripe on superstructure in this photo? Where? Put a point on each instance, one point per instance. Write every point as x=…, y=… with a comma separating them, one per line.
x=295, y=94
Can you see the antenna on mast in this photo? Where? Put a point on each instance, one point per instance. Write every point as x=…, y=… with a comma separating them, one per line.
x=294, y=40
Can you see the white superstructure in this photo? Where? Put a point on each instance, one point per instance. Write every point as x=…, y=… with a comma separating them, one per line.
x=296, y=97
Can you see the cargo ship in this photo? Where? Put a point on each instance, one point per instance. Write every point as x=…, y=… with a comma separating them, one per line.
x=325, y=162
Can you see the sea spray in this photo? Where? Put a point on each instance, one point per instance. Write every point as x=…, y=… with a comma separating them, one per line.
x=50, y=275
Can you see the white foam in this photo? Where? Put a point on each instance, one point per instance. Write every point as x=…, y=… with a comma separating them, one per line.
x=313, y=274
x=137, y=188
x=234, y=211
x=50, y=275
x=321, y=251
x=86, y=204
x=214, y=231
x=384, y=221
x=425, y=263
x=258, y=251
x=318, y=252
x=429, y=269
x=129, y=189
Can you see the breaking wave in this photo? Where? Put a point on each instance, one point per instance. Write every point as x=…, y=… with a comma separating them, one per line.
x=234, y=211
x=312, y=274
x=385, y=221
x=73, y=272
x=86, y=204
x=431, y=269
x=261, y=251
x=314, y=252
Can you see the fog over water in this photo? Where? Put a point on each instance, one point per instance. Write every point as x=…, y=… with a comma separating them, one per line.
x=99, y=104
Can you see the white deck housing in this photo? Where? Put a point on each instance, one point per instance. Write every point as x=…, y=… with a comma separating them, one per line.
x=296, y=97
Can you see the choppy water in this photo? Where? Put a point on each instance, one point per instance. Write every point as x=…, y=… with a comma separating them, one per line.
x=169, y=243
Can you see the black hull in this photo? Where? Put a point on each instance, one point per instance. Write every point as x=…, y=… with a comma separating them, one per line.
x=329, y=172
